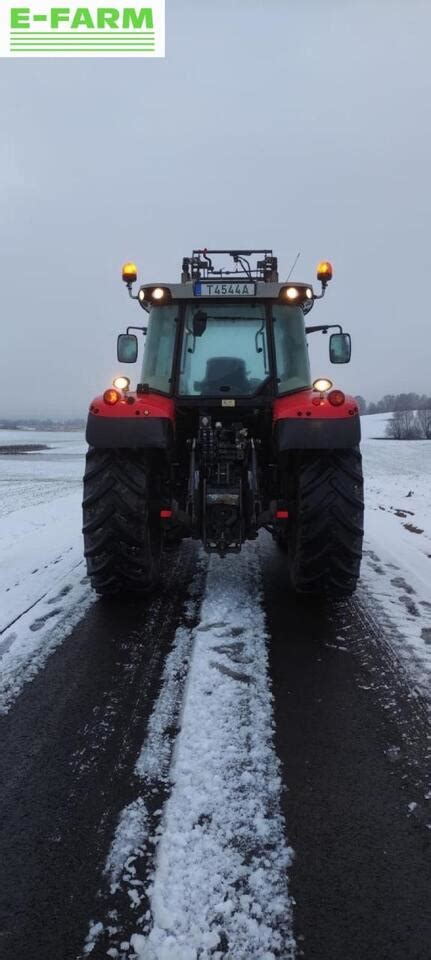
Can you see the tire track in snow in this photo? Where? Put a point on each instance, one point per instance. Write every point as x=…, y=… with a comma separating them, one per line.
x=28, y=641
x=217, y=850
x=61, y=594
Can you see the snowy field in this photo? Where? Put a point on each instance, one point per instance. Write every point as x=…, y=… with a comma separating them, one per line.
x=396, y=569
x=43, y=588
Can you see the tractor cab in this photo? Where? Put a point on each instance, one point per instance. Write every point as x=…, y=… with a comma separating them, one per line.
x=223, y=335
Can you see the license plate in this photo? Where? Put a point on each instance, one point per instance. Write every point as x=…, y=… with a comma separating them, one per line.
x=231, y=289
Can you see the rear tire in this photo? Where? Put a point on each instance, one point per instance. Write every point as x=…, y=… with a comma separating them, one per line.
x=326, y=522
x=122, y=535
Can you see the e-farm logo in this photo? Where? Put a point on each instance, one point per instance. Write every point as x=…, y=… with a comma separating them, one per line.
x=43, y=30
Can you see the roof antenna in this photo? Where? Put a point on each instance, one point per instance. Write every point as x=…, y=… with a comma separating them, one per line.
x=294, y=264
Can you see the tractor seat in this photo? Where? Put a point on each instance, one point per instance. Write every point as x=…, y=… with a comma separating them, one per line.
x=224, y=375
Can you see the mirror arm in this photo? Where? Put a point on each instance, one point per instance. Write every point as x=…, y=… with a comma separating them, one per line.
x=324, y=327
x=144, y=329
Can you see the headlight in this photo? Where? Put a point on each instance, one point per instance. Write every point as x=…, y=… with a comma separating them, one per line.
x=292, y=293
x=322, y=385
x=121, y=383
x=158, y=293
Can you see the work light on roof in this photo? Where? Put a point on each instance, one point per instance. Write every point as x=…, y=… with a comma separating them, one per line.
x=158, y=293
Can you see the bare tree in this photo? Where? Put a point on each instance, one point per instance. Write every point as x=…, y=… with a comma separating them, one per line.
x=362, y=404
x=404, y=425
x=400, y=402
x=424, y=418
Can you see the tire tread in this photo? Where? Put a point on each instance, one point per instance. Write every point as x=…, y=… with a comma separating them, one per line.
x=326, y=554
x=118, y=547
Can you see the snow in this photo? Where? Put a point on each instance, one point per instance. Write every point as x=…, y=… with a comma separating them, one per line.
x=216, y=847
x=216, y=852
x=154, y=760
x=396, y=569
x=43, y=586
x=134, y=833
x=374, y=426
x=94, y=932
x=220, y=876
x=131, y=834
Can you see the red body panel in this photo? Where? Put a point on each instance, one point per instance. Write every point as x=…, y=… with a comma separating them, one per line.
x=301, y=405
x=144, y=405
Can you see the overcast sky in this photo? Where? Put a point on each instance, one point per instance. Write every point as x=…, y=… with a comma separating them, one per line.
x=294, y=124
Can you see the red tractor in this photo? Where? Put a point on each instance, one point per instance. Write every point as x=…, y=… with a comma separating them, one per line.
x=225, y=433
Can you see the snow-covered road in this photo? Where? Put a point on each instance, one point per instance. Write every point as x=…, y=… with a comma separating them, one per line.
x=204, y=896
x=221, y=857
x=176, y=716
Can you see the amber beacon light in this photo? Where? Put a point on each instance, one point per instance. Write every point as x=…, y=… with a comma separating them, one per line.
x=129, y=272
x=324, y=271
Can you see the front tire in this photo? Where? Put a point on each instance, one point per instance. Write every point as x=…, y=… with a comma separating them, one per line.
x=326, y=522
x=121, y=530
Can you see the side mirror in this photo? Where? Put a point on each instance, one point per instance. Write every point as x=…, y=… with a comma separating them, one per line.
x=340, y=347
x=199, y=323
x=127, y=348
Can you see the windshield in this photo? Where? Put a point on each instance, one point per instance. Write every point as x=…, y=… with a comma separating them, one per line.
x=159, y=348
x=291, y=351
x=224, y=350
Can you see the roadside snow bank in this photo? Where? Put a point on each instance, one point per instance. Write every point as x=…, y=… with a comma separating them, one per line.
x=220, y=886
x=43, y=587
